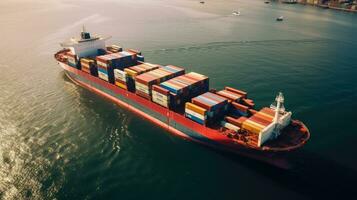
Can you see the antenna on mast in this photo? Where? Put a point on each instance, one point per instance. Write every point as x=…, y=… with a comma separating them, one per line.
x=279, y=108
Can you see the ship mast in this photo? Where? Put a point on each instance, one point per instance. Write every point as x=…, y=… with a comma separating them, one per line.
x=279, y=106
x=279, y=99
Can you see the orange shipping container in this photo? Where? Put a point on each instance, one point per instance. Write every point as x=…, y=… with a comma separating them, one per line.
x=244, y=94
x=259, y=120
x=252, y=127
x=264, y=116
x=196, y=108
x=268, y=111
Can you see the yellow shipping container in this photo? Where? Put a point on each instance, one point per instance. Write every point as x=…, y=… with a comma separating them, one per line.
x=252, y=126
x=196, y=108
x=130, y=72
x=121, y=85
x=264, y=116
x=85, y=60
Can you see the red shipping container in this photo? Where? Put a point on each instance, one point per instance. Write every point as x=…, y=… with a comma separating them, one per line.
x=244, y=94
x=248, y=102
x=240, y=107
x=159, y=89
x=260, y=120
x=252, y=111
x=200, y=104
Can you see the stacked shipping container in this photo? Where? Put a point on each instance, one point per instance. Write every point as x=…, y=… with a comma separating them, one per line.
x=72, y=59
x=161, y=96
x=196, y=113
x=120, y=78
x=215, y=105
x=183, y=88
x=88, y=65
x=132, y=72
x=258, y=122
x=231, y=96
x=144, y=82
x=107, y=63
x=126, y=79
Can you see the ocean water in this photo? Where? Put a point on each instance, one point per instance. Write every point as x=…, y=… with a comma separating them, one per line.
x=60, y=141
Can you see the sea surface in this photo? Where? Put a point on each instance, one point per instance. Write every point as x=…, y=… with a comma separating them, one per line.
x=60, y=141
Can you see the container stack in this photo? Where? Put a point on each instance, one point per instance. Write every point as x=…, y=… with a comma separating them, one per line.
x=257, y=122
x=231, y=96
x=107, y=63
x=133, y=71
x=120, y=78
x=89, y=66
x=161, y=96
x=144, y=82
x=196, y=113
x=72, y=60
x=240, y=92
x=236, y=121
x=215, y=105
x=230, y=126
x=184, y=87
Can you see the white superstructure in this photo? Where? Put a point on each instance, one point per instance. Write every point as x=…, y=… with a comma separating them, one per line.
x=86, y=45
x=281, y=120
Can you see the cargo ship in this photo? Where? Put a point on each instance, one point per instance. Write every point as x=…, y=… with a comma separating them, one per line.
x=182, y=102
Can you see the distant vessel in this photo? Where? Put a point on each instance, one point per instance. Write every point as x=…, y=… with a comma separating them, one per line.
x=289, y=1
x=281, y=18
x=266, y=2
x=182, y=103
x=237, y=13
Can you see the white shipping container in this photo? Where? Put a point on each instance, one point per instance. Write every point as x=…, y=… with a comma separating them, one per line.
x=103, y=76
x=141, y=87
x=160, y=102
x=193, y=113
x=159, y=95
x=229, y=126
x=119, y=74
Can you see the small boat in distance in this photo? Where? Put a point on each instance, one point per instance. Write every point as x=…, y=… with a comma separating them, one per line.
x=237, y=13
x=202, y=2
x=267, y=2
x=279, y=19
x=289, y=1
